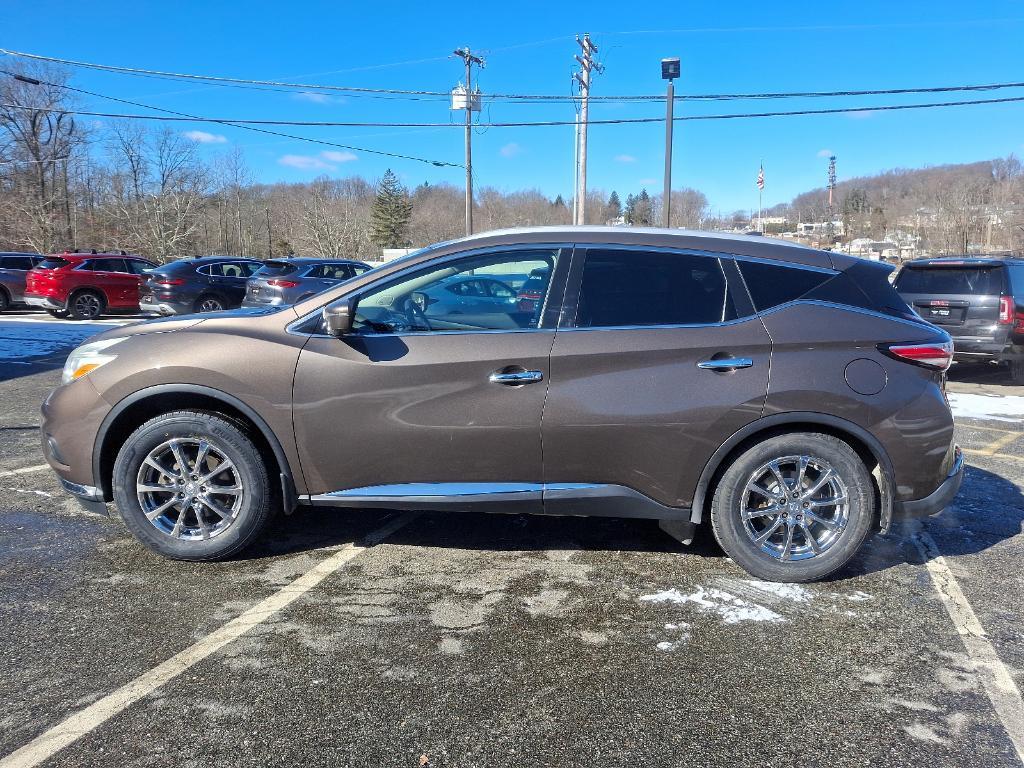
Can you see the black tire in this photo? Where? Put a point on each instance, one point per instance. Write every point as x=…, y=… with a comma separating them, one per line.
x=735, y=537
x=86, y=305
x=58, y=313
x=1017, y=370
x=209, y=303
x=254, y=505
x=5, y=301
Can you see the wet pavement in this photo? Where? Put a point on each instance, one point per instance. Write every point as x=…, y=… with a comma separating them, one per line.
x=469, y=640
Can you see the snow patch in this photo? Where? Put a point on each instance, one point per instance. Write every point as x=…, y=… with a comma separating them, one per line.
x=730, y=608
x=793, y=592
x=859, y=597
x=992, y=407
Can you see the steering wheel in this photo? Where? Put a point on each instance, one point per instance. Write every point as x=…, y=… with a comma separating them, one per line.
x=415, y=315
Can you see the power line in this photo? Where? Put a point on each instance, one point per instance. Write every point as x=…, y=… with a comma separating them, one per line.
x=243, y=123
x=289, y=87
x=231, y=123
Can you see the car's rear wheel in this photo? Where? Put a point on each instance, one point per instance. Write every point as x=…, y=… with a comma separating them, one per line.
x=5, y=302
x=86, y=305
x=192, y=486
x=209, y=303
x=794, y=508
x=1017, y=370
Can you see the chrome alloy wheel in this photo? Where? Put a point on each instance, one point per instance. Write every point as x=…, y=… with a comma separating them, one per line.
x=189, y=489
x=795, y=507
x=211, y=305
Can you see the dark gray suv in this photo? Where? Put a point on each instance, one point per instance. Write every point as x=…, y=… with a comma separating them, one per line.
x=13, y=269
x=786, y=395
x=978, y=301
x=287, y=281
x=205, y=284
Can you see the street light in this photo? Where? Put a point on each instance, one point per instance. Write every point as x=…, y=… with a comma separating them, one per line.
x=669, y=71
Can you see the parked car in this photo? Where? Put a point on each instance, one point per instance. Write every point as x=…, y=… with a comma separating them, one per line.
x=206, y=284
x=978, y=301
x=644, y=376
x=13, y=268
x=468, y=295
x=281, y=282
x=83, y=286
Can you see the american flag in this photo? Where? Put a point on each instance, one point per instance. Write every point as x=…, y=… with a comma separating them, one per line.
x=760, y=178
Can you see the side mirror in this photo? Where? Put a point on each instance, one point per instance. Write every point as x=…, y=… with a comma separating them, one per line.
x=339, y=316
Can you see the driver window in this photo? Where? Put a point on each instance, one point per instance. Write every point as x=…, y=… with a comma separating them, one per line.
x=447, y=298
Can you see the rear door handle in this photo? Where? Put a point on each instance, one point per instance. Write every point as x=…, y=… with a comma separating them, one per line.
x=513, y=378
x=725, y=364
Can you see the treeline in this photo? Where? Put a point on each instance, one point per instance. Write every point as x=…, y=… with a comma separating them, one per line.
x=67, y=184
x=949, y=208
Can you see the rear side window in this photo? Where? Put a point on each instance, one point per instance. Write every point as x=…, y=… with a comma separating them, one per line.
x=983, y=281
x=276, y=268
x=16, y=262
x=53, y=263
x=622, y=288
x=773, y=284
x=332, y=271
x=139, y=267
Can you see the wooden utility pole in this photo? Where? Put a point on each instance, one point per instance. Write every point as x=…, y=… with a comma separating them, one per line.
x=466, y=55
x=587, y=63
x=270, y=239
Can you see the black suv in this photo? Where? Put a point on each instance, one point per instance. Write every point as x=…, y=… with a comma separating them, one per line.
x=206, y=284
x=978, y=301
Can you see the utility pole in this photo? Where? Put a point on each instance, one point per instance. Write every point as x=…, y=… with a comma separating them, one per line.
x=669, y=71
x=830, y=227
x=270, y=239
x=472, y=104
x=587, y=63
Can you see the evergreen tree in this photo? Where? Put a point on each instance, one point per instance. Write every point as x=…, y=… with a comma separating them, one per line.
x=630, y=212
x=559, y=202
x=643, y=210
x=614, y=208
x=392, y=210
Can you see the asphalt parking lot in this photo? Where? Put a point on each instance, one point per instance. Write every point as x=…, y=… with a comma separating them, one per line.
x=368, y=638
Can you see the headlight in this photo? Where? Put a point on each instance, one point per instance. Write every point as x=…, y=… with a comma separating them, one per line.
x=88, y=357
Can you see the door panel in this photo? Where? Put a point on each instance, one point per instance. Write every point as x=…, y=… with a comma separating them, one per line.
x=631, y=407
x=419, y=408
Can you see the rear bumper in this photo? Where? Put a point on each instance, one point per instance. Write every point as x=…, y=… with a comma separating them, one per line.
x=938, y=499
x=45, y=302
x=163, y=307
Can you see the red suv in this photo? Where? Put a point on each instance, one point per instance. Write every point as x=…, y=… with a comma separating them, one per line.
x=83, y=286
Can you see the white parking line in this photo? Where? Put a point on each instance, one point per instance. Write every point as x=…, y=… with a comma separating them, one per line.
x=24, y=470
x=995, y=677
x=78, y=725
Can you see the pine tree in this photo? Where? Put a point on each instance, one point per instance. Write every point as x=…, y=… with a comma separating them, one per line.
x=559, y=202
x=630, y=213
x=392, y=210
x=614, y=207
x=643, y=209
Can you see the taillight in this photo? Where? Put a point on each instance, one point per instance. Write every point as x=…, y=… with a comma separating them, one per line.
x=1005, y=310
x=931, y=355
x=282, y=283
x=168, y=281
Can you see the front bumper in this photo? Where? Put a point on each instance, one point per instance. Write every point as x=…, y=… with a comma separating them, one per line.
x=46, y=302
x=938, y=499
x=89, y=497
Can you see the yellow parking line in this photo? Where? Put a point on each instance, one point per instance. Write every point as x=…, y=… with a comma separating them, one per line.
x=999, y=443
x=975, y=452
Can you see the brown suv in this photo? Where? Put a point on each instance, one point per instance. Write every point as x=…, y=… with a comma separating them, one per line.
x=787, y=394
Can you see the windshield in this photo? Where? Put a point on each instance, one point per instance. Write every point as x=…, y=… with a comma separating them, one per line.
x=941, y=280
x=276, y=269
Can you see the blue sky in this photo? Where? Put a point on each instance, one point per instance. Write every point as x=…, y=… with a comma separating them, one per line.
x=529, y=47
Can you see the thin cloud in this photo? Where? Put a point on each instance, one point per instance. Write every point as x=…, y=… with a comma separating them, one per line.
x=339, y=157
x=203, y=137
x=511, y=149
x=825, y=153
x=625, y=159
x=316, y=98
x=648, y=181
x=325, y=161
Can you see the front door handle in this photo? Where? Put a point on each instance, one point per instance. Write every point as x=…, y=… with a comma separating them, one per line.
x=725, y=364
x=515, y=378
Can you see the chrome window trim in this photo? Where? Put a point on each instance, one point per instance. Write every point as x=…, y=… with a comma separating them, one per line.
x=671, y=326
x=921, y=325
x=292, y=326
x=785, y=264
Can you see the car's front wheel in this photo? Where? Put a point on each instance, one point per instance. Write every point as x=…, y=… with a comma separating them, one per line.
x=794, y=508
x=192, y=486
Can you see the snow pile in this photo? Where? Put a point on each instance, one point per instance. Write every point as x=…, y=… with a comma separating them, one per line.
x=994, y=407
x=730, y=608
